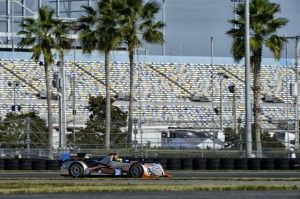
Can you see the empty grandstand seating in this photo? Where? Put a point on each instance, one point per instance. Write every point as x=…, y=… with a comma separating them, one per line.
x=163, y=91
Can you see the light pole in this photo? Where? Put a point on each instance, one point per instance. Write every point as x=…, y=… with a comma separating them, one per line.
x=75, y=27
x=140, y=100
x=297, y=95
x=135, y=132
x=62, y=101
x=212, y=87
x=297, y=91
x=233, y=91
x=222, y=76
x=234, y=7
x=15, y=85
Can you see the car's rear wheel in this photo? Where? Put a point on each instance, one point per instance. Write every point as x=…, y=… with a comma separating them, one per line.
x=136, y=170
x=76, y=170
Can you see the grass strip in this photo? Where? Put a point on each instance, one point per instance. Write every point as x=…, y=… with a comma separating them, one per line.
x=17, y=188
x=173, y=178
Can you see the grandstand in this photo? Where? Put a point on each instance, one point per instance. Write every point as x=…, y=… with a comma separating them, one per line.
x=165, y=92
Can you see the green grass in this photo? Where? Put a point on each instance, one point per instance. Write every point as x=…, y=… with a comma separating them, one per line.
x=61, y=187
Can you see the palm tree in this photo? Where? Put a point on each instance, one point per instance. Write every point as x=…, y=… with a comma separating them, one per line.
x=38, y=34
x=99, y=31
x=138, y=18
x=263, y=27
x=62, y=45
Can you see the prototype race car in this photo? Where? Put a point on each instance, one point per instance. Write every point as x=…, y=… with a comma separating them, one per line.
x=79, y=167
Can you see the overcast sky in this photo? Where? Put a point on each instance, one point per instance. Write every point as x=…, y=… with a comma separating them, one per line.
x=191, y=23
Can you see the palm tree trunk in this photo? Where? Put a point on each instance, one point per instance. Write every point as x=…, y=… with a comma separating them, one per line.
x=257, y=101
x=50, y=122
x=130, y=114
x=107, y=111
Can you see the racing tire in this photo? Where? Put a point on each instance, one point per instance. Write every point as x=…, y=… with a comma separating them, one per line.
x=267, y=164
x=76, y=170
x=199, y=163
x=295, y=164
x=2, y=164
x=240, y=164
x=187, y=164
x=38, y=164
x=52, y=165
x=254, y=163
x=281, y=163
x=227, y=163
x=213, y=163
x=136, y=171
x=11, y=164
x=25, y=164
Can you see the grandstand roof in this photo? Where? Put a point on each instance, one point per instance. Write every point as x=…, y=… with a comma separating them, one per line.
x=122, y=56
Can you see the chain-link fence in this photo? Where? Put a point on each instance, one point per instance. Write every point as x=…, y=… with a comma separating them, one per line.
x=27, y=137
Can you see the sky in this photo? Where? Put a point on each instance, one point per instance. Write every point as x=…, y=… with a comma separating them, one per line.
x=191, y=23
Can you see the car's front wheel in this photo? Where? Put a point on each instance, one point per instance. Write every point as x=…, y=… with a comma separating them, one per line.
x=136, y=170
x=76, y=170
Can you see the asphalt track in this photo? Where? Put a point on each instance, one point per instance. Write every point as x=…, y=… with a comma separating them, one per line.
x=167, y=195
x=202, y=178
x=176, y=174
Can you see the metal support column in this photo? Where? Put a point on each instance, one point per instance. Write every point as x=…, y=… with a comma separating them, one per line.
x=297, y=96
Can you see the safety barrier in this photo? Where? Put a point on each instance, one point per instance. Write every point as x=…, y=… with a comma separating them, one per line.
x=173, y=164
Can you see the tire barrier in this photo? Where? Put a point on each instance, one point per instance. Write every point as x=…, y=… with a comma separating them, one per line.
x=38, y=164
x=199, y=163
x=52, y=165
x=212, y=163
x=173, y=164
x=227, y=163
x=281, y=163
x=267, y=164
x=187, y=164
x=240, y=164
x=295, y=164
x=25, y=164
x=11, y=164
x=2, y=164
x=253, y=163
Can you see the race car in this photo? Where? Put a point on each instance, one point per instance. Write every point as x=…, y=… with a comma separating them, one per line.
x=82, y=166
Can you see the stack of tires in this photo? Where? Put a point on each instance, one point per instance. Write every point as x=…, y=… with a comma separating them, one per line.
x=295, y=164
x=2, y=164
x=173, y=164
x=240, y=164
x=25, y=164
x=11, y=164
x=253, y=163
x=187, y=164
x=199, y=163
x=267, y=164
x=282, y=163
x=227, y=163
x=212, y=163
x=52, y=164
x=38, y=164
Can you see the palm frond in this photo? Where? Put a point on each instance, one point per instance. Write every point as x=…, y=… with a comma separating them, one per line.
x=275, y=43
